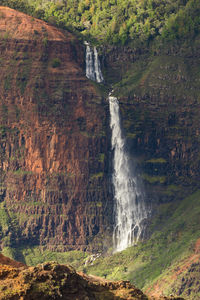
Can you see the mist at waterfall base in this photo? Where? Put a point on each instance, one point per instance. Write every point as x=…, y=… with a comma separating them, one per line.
x=129, y=206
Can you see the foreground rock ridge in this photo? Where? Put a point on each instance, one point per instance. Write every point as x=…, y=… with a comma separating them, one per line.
x=53, y=281
x=53, y=144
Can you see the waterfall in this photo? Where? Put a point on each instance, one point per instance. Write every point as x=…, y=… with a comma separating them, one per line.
x=129, y=209
x=93, y=68
x=97, y=67
x=89, y=63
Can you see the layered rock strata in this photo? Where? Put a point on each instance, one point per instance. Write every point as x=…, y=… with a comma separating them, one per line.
x=53, y=140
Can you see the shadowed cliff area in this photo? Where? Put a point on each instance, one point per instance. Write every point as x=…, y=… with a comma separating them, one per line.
x=158, y=91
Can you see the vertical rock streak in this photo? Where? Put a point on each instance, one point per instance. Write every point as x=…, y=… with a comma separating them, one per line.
x=129, y=207
x=93, y=68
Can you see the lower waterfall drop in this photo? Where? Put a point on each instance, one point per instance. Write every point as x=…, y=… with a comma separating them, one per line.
x=130, y=211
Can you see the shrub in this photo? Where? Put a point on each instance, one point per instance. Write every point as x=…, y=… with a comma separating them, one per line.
x=56, y=63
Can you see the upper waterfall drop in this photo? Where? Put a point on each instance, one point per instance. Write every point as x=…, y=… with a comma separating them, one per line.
x=130, y=211
x=97, y=67
x=93, y=68
x=90, y=73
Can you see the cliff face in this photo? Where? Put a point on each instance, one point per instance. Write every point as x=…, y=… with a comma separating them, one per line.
x=54, y=140
x=159, y=99
x=53, y=144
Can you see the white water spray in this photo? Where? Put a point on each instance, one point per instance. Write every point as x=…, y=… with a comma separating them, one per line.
x=130, y=211
x=93, y=68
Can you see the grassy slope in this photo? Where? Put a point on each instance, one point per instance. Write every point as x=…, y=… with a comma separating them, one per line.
x=176, y=229
x=36, y=255
x=174, y=241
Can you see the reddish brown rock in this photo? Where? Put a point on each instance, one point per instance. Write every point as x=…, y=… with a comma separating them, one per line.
x=10, y=262
x=53, y=139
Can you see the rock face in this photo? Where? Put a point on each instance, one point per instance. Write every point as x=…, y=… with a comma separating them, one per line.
x=54, y=281
x=53, y=139
x=160, y=114
x=10, y=262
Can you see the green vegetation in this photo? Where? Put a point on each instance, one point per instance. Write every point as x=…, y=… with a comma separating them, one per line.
x=154, y=179
x=9, y=252
x=23, y=75
x=8, y=228
x=176, y=228
x=118, y=21
x=101, y=157
x=56, y=63
x=150, y=74
x=4, y=218
x=157, y=160
x=7, y=82
x=172, y=189
x=36, y=255
x=97, y=175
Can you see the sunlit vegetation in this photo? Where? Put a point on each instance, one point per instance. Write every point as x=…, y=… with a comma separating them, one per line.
x=118, y=21
x=171, y=242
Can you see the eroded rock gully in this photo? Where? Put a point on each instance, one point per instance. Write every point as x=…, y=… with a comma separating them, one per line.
x=53, y=140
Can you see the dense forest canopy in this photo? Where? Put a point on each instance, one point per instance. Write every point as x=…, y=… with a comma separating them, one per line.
x=118, y=21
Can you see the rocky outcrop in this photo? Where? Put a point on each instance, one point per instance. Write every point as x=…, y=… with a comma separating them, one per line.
x=53, y=281
x=10, y=262
x=53, y=140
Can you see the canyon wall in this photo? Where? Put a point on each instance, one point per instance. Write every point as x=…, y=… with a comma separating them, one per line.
x=53, y=140
x=55, y=188
x=159, y=100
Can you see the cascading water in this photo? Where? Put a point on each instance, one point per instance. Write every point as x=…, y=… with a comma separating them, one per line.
x=97, y=67
x=89, y=63
x=93, y=68
x=130, y=211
